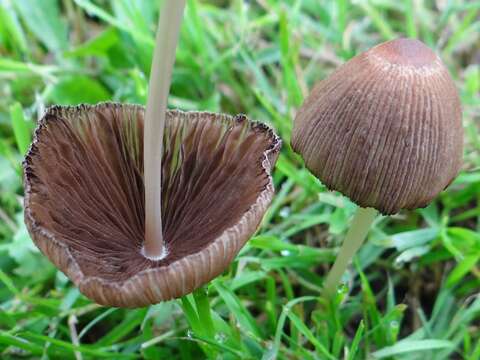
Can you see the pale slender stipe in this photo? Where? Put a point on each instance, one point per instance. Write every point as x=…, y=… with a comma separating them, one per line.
x=159, y=87
x=357, y=233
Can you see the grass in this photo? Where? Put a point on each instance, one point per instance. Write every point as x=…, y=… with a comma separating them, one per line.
x=413, y=289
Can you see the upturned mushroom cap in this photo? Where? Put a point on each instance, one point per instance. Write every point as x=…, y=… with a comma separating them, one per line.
x=385, y=128
x=84, y=198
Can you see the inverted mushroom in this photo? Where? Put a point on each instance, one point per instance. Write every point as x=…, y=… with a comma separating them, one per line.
x=385, y=130
x=135, y=215
x=84, y=198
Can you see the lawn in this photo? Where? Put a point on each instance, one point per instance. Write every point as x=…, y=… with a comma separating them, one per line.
x=413, y=290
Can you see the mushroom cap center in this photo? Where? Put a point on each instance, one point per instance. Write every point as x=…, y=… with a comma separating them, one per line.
x=406, y=52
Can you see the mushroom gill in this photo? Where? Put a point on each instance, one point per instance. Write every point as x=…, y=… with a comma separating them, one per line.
x=84, y=198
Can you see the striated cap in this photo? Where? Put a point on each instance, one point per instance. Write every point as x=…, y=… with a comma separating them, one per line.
x=84, y=198
x=385, y=128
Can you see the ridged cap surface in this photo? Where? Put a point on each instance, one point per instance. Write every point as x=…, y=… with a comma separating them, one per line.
x=84, y=198
x=385, y=128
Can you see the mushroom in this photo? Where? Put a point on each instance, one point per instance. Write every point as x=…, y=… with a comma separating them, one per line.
x=85, y=194
x=385, y=129
x=84, y=198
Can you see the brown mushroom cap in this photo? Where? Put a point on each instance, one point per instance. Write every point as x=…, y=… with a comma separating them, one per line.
x=385, y=128
x=84, y=198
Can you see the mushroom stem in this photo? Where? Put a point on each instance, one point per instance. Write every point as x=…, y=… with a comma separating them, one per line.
x=361, y=223
x=159, y=86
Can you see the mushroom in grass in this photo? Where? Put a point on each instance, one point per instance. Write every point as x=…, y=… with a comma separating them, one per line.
x=84, y=198
x=385, y=129
x=85, y=193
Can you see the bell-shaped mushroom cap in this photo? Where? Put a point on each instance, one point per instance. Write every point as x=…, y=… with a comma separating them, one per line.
x=385, y=128
x=84, y=198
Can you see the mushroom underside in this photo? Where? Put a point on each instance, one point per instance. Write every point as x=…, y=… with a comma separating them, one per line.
x=85, y=192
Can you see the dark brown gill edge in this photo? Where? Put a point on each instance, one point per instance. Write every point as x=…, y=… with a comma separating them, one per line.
x=157, y=284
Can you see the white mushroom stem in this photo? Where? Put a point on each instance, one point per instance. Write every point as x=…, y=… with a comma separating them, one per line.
x=357, y=233
x=159, y=86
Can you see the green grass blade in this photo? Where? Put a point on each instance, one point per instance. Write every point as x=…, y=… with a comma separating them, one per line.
x=354, y=347
x=405, y=347
x=21, y=129
x=410, y=26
